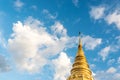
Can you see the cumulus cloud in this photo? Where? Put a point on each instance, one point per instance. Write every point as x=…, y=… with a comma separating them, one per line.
x=2, y=41
x=62, y=66
x=118, y=61
x=104, y=52
x=97, y=12
x=110, y=49
x=110, y=74
x=91, y=43
x=4, y=66
x=111, y=17
x=49, y=15
x=75, y=2
x=59, y=29
x=34, y=7
x=92, y=66
x=117, y=45
x=114, y=18
x=31, y=45
x=18, y=4
x=111, y=61
x=111, y=70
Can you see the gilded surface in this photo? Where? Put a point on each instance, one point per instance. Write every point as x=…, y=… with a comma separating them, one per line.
x=80, y=69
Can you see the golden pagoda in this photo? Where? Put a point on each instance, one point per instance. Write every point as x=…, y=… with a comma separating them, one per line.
x=80, y=69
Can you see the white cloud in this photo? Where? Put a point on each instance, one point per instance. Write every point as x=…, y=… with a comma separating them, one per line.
x=90, y=43
x=49, y=15
x=114, y=18
x=117, y=76
x=34, y=7
x=110, y=74
x=75, y=2
x=92, y=66
x=104, y=52
x=4, y=67
x=118, y=60
x=2, y=41
x=117, y=45
x=111, y=61
x=114, y=47
x=93, y=74
x=97, y=12
x=111, y=70
x=31, y=45
x=62, y=66
x=59, y=29
x=18, y=4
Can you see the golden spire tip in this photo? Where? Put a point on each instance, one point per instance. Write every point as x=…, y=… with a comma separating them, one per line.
x=79, y=38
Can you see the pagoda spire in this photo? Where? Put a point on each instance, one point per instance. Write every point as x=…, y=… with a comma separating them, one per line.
x=80, y=50
x=80, y=69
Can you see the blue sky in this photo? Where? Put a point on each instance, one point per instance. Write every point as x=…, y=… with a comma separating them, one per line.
x=39, y=38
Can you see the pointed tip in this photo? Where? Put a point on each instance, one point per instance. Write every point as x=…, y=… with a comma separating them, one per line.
x=80, y=50
x=80, y=42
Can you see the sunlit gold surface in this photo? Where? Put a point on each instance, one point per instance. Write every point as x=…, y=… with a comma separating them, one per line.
x=80, y=69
